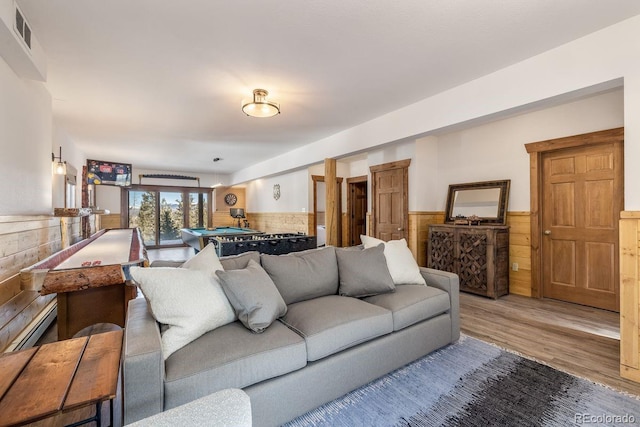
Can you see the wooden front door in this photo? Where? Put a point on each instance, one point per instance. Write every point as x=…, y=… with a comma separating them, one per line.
x=357, y=209
x=581, y=201
x=390, y=200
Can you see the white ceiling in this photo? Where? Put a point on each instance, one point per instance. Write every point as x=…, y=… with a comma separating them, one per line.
x=159, y=83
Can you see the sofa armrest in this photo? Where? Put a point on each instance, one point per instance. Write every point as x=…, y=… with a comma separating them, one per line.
x=450, y=283
x=143, y=364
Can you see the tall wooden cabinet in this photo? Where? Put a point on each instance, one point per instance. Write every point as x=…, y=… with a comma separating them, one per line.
x=479, y=255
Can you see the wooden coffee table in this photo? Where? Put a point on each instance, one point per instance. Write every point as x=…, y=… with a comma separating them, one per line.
x=54, y=379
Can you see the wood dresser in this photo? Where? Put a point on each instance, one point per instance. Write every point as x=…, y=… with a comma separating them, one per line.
x=478, y=254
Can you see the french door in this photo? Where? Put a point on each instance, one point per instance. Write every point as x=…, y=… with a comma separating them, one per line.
x=160, y=212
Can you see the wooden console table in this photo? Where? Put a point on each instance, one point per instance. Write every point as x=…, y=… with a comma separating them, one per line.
x=48, y=381
x=89, y=279
x=478, y=254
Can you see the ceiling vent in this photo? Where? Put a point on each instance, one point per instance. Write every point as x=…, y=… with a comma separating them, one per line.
x=22, y=28
x=19, y=47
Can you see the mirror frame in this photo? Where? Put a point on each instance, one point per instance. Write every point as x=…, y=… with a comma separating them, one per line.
x=503, y=185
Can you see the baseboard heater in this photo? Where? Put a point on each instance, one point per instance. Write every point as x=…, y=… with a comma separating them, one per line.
x=34, y=330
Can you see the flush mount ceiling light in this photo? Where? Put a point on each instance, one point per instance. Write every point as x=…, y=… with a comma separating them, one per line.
x=260, y=106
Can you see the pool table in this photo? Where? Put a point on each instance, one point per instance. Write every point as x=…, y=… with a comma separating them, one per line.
x=198, y=238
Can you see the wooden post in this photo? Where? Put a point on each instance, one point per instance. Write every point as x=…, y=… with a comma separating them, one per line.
x=332, y=215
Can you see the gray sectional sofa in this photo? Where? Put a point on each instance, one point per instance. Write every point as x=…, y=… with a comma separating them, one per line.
x=326, y=344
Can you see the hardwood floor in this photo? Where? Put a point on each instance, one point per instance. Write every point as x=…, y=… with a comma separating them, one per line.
x=580, y=340
x=170, y=254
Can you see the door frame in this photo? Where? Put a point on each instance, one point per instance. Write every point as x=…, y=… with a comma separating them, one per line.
x=400, y=164
x=350, y=222
x=124, y=206
x=320, y=178
x=536, y=150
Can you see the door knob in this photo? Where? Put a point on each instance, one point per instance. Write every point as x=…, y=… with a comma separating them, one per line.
x=547, y=232
x=400, y=229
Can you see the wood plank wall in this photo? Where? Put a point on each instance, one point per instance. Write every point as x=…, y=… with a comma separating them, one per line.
x=419, y=233
x=25, y=240
x=630, y=295
x=108, y=221
x=281, y=222
x=520, y=252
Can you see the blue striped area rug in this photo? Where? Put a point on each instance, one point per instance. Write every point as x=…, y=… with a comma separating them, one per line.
x=472, y=383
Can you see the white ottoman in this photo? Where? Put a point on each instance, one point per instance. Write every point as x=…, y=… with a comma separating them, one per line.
x=230, y=407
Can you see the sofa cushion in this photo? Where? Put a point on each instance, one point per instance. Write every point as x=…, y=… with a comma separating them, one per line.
x=189, y=302
x=231, y=357
x=411, y=304
x=402, y=265
x=237, y=262
x=300, y=276
x=363, y=272
x=253, y=295
x=333, y=323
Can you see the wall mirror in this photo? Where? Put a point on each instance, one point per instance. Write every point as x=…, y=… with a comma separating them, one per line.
x=487, y=200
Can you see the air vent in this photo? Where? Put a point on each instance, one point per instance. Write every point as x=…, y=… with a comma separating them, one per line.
x=22, y=28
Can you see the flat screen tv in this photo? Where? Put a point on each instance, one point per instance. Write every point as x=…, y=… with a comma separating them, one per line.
x=108, y=173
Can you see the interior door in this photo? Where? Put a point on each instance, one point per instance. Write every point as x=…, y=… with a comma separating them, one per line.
x=357, y=209
x=390, y=200
x=582, y=196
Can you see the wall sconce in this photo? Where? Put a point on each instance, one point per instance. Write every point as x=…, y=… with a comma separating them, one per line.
x=59, y=167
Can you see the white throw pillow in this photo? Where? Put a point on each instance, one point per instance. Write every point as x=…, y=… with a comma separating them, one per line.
x=205, y=260
x=189, y=302
x=402, y=266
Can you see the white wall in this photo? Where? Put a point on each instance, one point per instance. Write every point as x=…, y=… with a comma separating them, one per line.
x=599, y=61
x=294, y=193
x=496, y=150
x=74, y=158
x=25, y=145
x=491, y=151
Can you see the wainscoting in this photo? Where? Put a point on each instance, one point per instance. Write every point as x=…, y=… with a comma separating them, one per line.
x=520, y=252
x=25, y=240
x=282, y=222
x=630, y=295
x=419, y=233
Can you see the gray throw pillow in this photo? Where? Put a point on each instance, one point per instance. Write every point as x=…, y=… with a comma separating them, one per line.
x=363, y=273
x=237, y=262
x=300, y=276
x=253, y=296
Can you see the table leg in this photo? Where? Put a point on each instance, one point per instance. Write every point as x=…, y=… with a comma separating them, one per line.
x=97, y=417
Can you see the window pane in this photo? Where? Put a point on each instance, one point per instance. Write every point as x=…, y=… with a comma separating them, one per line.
x=198, y=209
x=142, y=214
x=171, y=218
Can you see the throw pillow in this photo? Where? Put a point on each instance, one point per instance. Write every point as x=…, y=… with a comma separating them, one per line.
x=253, y=295
x=363, y=273
x=189, y=302
x=403, y=267
x=205, y=260
x=301, y=276
x=208, y=262
x=238, y=262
